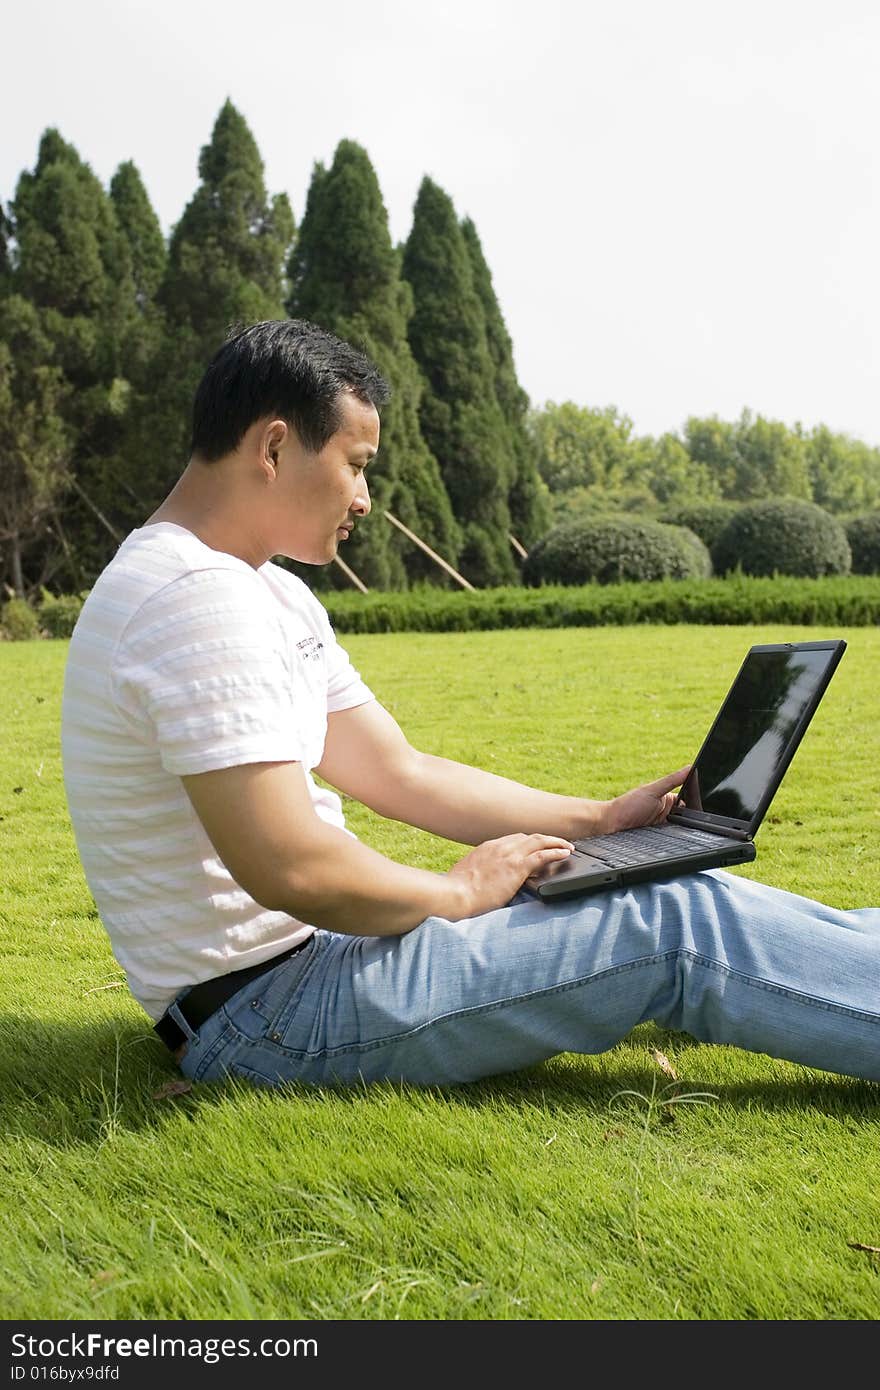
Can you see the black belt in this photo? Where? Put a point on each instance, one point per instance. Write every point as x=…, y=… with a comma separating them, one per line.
x=205, y=999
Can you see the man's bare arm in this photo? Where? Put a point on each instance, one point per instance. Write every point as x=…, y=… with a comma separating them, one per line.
x=367, y=756
x=263, y=825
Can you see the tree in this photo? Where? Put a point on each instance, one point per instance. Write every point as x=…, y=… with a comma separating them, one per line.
x=844, y=472
x=227, y=253
x=581, y=447
x=5, y=260
x=460, y=416
x=34, y=440
x=751, y=458
x=673, y=477
x=72, y=263
x=527, y=498
x=773, y=459
x=141, y=227
x=712, y=443
x=225, y=268
x=345, y=275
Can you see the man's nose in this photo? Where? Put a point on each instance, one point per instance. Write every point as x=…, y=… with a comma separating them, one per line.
x=362, y=503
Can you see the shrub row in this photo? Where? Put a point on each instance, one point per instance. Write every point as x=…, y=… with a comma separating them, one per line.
x=844, y=601
x=852, y=601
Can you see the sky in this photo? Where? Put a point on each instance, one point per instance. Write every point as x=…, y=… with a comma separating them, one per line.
x=679, y=201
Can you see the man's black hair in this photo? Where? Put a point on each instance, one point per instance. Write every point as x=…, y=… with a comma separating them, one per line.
x=286, y=368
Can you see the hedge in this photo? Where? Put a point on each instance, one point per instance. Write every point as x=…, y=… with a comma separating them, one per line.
x=853, y=601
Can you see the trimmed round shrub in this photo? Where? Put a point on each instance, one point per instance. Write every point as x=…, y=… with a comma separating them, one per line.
x=58, y=615
x=706, y=519
x=694, y=551
x=606, y=550
x=782, y=536
x=19, y=621
x=863, y=534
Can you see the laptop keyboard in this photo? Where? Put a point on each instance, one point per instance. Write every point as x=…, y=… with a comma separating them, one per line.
x=628, y=847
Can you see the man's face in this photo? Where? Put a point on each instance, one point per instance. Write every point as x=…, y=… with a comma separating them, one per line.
x=324, y=495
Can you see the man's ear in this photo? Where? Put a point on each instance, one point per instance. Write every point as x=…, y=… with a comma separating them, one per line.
x=273, y=437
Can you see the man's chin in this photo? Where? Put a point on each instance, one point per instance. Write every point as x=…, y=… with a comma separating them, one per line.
x=314, y=559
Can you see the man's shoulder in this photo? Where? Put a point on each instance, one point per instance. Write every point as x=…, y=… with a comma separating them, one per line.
x=155, y=559
x=295, y=591
x=156, y=577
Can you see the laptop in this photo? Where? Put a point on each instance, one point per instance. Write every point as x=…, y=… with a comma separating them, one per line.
x=731, y=784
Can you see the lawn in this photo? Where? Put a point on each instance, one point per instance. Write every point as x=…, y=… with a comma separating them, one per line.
x=543, y=1195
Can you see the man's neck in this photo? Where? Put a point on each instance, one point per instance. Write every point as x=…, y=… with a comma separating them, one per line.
x=200, y=503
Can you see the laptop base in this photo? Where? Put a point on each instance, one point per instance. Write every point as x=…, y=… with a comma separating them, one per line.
x=580, y=874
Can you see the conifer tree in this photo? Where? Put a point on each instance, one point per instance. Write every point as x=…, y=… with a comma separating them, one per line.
x=142, y=230
x=460, y=416
x=225, y=269
x=5, y=263
x=345, y=276
x=527, y=500
x=227, y=253
x=72, y=263
x=147, y=477
x=34, y=441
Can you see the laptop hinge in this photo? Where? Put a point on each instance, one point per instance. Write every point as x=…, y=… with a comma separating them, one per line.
x=730, y=831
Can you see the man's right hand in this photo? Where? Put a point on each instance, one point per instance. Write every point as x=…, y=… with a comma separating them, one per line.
x=492, y=873
x=646, y=805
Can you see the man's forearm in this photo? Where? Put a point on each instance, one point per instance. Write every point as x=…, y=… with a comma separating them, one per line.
x=469, y=805
x=338, y=883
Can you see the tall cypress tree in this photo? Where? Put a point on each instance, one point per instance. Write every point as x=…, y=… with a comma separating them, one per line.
x=460, y=416
x=34, y=443
x=527, y=499
x=140, y=224
x=225, y=268
x=147, y=477
x=345, y=275
x=227, y=253
x=5, y=262
x=73, y=264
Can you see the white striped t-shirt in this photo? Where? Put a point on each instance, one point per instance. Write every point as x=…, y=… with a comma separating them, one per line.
x=185, y=659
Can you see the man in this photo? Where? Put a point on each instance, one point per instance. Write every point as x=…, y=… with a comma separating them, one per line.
x=204, y=687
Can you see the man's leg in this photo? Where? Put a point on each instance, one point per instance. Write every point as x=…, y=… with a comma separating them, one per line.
x=718, y=956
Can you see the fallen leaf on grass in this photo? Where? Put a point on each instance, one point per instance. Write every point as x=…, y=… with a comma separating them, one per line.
x=857, y=1245
x=172, y=1088
x=664, y=1064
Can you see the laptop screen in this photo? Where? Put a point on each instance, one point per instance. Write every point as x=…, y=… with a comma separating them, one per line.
x=756, y=732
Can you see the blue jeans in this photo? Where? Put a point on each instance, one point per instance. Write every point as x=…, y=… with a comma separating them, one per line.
x=715, y=955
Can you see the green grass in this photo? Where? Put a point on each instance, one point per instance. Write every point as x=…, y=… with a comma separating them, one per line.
x=543, y=1195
